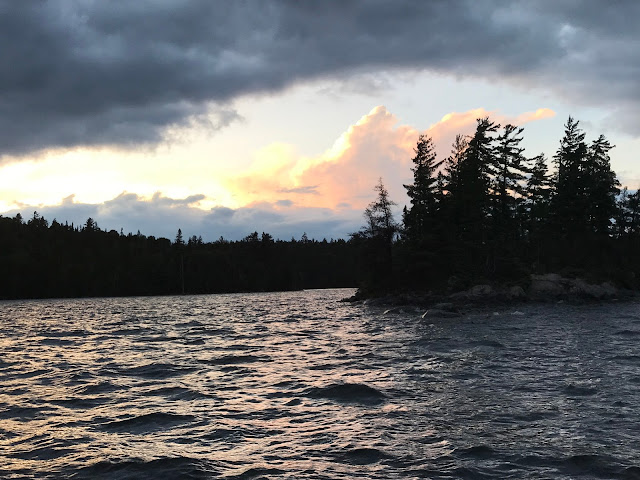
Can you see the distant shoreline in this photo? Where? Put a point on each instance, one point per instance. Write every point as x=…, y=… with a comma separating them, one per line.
x=162, y=295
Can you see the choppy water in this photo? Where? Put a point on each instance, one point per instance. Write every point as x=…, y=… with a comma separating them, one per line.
x=297, y=385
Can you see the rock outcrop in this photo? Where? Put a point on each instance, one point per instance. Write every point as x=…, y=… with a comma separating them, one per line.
x=551, y=285
x=544, y=287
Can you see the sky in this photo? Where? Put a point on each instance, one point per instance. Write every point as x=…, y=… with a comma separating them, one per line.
x=224, y=118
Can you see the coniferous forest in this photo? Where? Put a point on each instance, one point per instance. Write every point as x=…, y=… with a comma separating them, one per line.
x=41, y=260
x=489, y=214
x=485, y=214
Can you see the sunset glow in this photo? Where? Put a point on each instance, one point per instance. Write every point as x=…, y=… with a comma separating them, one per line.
x=250, y=137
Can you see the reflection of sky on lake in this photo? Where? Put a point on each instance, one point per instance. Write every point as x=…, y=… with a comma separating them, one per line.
x=299, y=384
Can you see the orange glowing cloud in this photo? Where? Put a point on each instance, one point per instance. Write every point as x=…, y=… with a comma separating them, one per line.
x=270, y=171
x=344, y=176
x=539, y=114
x=374, y=147
x=444, y=132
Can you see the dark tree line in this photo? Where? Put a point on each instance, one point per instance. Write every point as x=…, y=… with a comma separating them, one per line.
x=42, y=260
x=485, y=213
x=488, y=213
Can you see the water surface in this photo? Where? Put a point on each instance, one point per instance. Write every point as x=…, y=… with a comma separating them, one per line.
x=297, y=385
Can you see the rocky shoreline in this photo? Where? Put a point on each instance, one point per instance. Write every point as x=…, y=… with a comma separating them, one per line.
x=550, y=287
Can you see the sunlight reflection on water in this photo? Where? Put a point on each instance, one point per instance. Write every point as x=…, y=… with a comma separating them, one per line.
x=298, y=385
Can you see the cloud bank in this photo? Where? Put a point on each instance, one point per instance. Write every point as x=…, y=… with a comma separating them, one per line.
x=162, y=217
x=286, y=194
x=77, y=72
x=375, y=146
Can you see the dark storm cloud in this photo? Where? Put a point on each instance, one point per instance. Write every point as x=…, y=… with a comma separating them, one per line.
x=79, y=72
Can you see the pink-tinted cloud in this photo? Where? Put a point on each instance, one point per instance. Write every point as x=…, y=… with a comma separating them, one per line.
x=285, y=193
x=375, y=146
x=444, y=132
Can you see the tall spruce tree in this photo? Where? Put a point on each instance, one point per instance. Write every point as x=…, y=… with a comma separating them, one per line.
x=469, y=198
x=449, y=257
x=602, y=186
x=420, y=218
x=450, y=180
x=538, y=191
x=508, y=172
x=474, y=179
x=569, y=203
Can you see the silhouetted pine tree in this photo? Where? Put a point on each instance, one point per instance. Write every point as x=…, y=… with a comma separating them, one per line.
x=419, y=220
x=602, y=186
x=179, y=239
x=449, y=181
x=569, y=204
x=377, y=237
x=380, y=221
x=627, y=219
x=538, y=191
x=508, y=172
x=470, y=197
x=423, y=234
x=452, y=253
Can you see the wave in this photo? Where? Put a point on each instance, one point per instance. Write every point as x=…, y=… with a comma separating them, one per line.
x=487, y=343
x=363, y=456
x=81, y=403
x=148, y=422
x=323, y=366
x=474, y=473
x=256, y=473
x=97, y=388
x=173, y=467
x=220, y=433
x=476, y=451
x=177, y=393
x=57, y=341
x=64, y=333
x=579, y=390
x=235, y=359
x=15, y=412
x=630, y=473
x=349, y=393
x=601, y=465
x=33, y=373
x=131, y=331
x=44, y=453
x=156, y=370
x=627, y=358
x=628, y=333
x=592, y=465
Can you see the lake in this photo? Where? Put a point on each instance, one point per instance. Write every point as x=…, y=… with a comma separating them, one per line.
x=298, y=385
